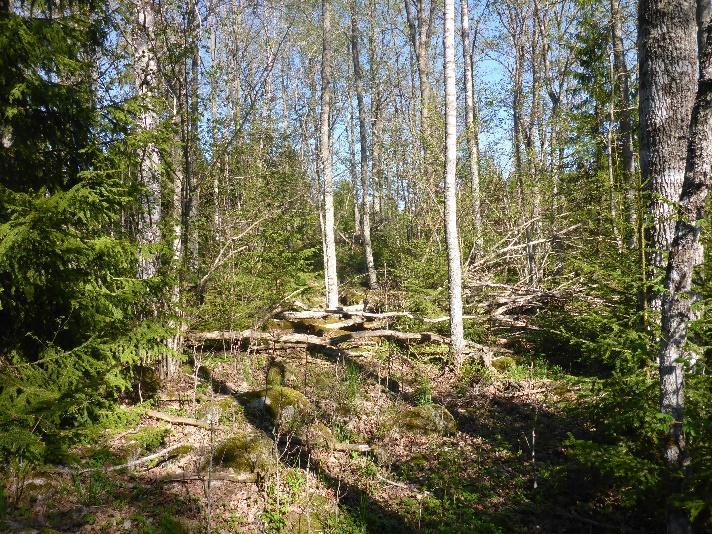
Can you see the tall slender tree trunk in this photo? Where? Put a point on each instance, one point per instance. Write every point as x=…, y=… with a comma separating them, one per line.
x=363, y=143
x=684, y=255
x=420, y=26
x=470, y=125
x=625, y=124
x=611, y=174
x=146, y=76
x=667, y=54
x=353, y=171
x=330, y=278
x=457, y=338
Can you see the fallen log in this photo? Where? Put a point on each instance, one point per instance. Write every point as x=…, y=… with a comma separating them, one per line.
x=347, y=313
x=417, y=337
x=330, y=345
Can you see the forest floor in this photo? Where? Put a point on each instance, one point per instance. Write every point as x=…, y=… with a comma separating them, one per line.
x=498, y=465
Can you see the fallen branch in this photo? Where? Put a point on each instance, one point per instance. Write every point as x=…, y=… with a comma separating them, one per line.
x=418, y=337
x=132, y=463
x=348, y=313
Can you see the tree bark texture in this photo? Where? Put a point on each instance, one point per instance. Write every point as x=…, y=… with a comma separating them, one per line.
x=667, y=55
x=331, y=280
x=453, y=245
x=684, y=255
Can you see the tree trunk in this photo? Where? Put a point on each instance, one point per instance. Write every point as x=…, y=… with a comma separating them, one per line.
x=625, y=127
x=420, y=26
x=471, y=126
x=684, y=255
x=667, y=54
x=150, y=165
x=453, y=246
x=331, y=281
x=363, y=144
x=353, y=172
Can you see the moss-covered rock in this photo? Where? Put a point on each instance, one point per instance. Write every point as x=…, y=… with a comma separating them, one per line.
x=252, y=453
x=223, y=410
x=428, y=419
x=503, y=363
x=317, y=436
x=286, y=407
x=352, y=296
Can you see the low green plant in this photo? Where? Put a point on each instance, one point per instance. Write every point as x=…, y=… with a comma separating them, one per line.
x=424, y=393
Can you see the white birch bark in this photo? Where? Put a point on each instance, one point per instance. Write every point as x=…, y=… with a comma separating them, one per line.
x=149, y=166
x=457, y=338
x=330, y=278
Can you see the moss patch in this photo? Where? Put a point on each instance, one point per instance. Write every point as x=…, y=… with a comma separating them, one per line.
x=246, y=454
x=285, y=406
x=226, y=409
x=503, y=363
x=317, y=436
x=276, y=372
x=428, y=419
x=314, y=513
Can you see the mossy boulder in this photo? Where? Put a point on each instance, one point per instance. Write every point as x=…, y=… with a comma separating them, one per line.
x=317, y=436
x=427, y=419
x=503, y=363
x=223, y=410
x=252, y=453
x=286, y=407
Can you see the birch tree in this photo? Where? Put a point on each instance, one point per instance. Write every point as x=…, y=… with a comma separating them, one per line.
x=457, y=339
x=330, y=278
x=146, y=73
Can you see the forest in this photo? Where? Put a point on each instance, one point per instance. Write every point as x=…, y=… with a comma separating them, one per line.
x=355, y=266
